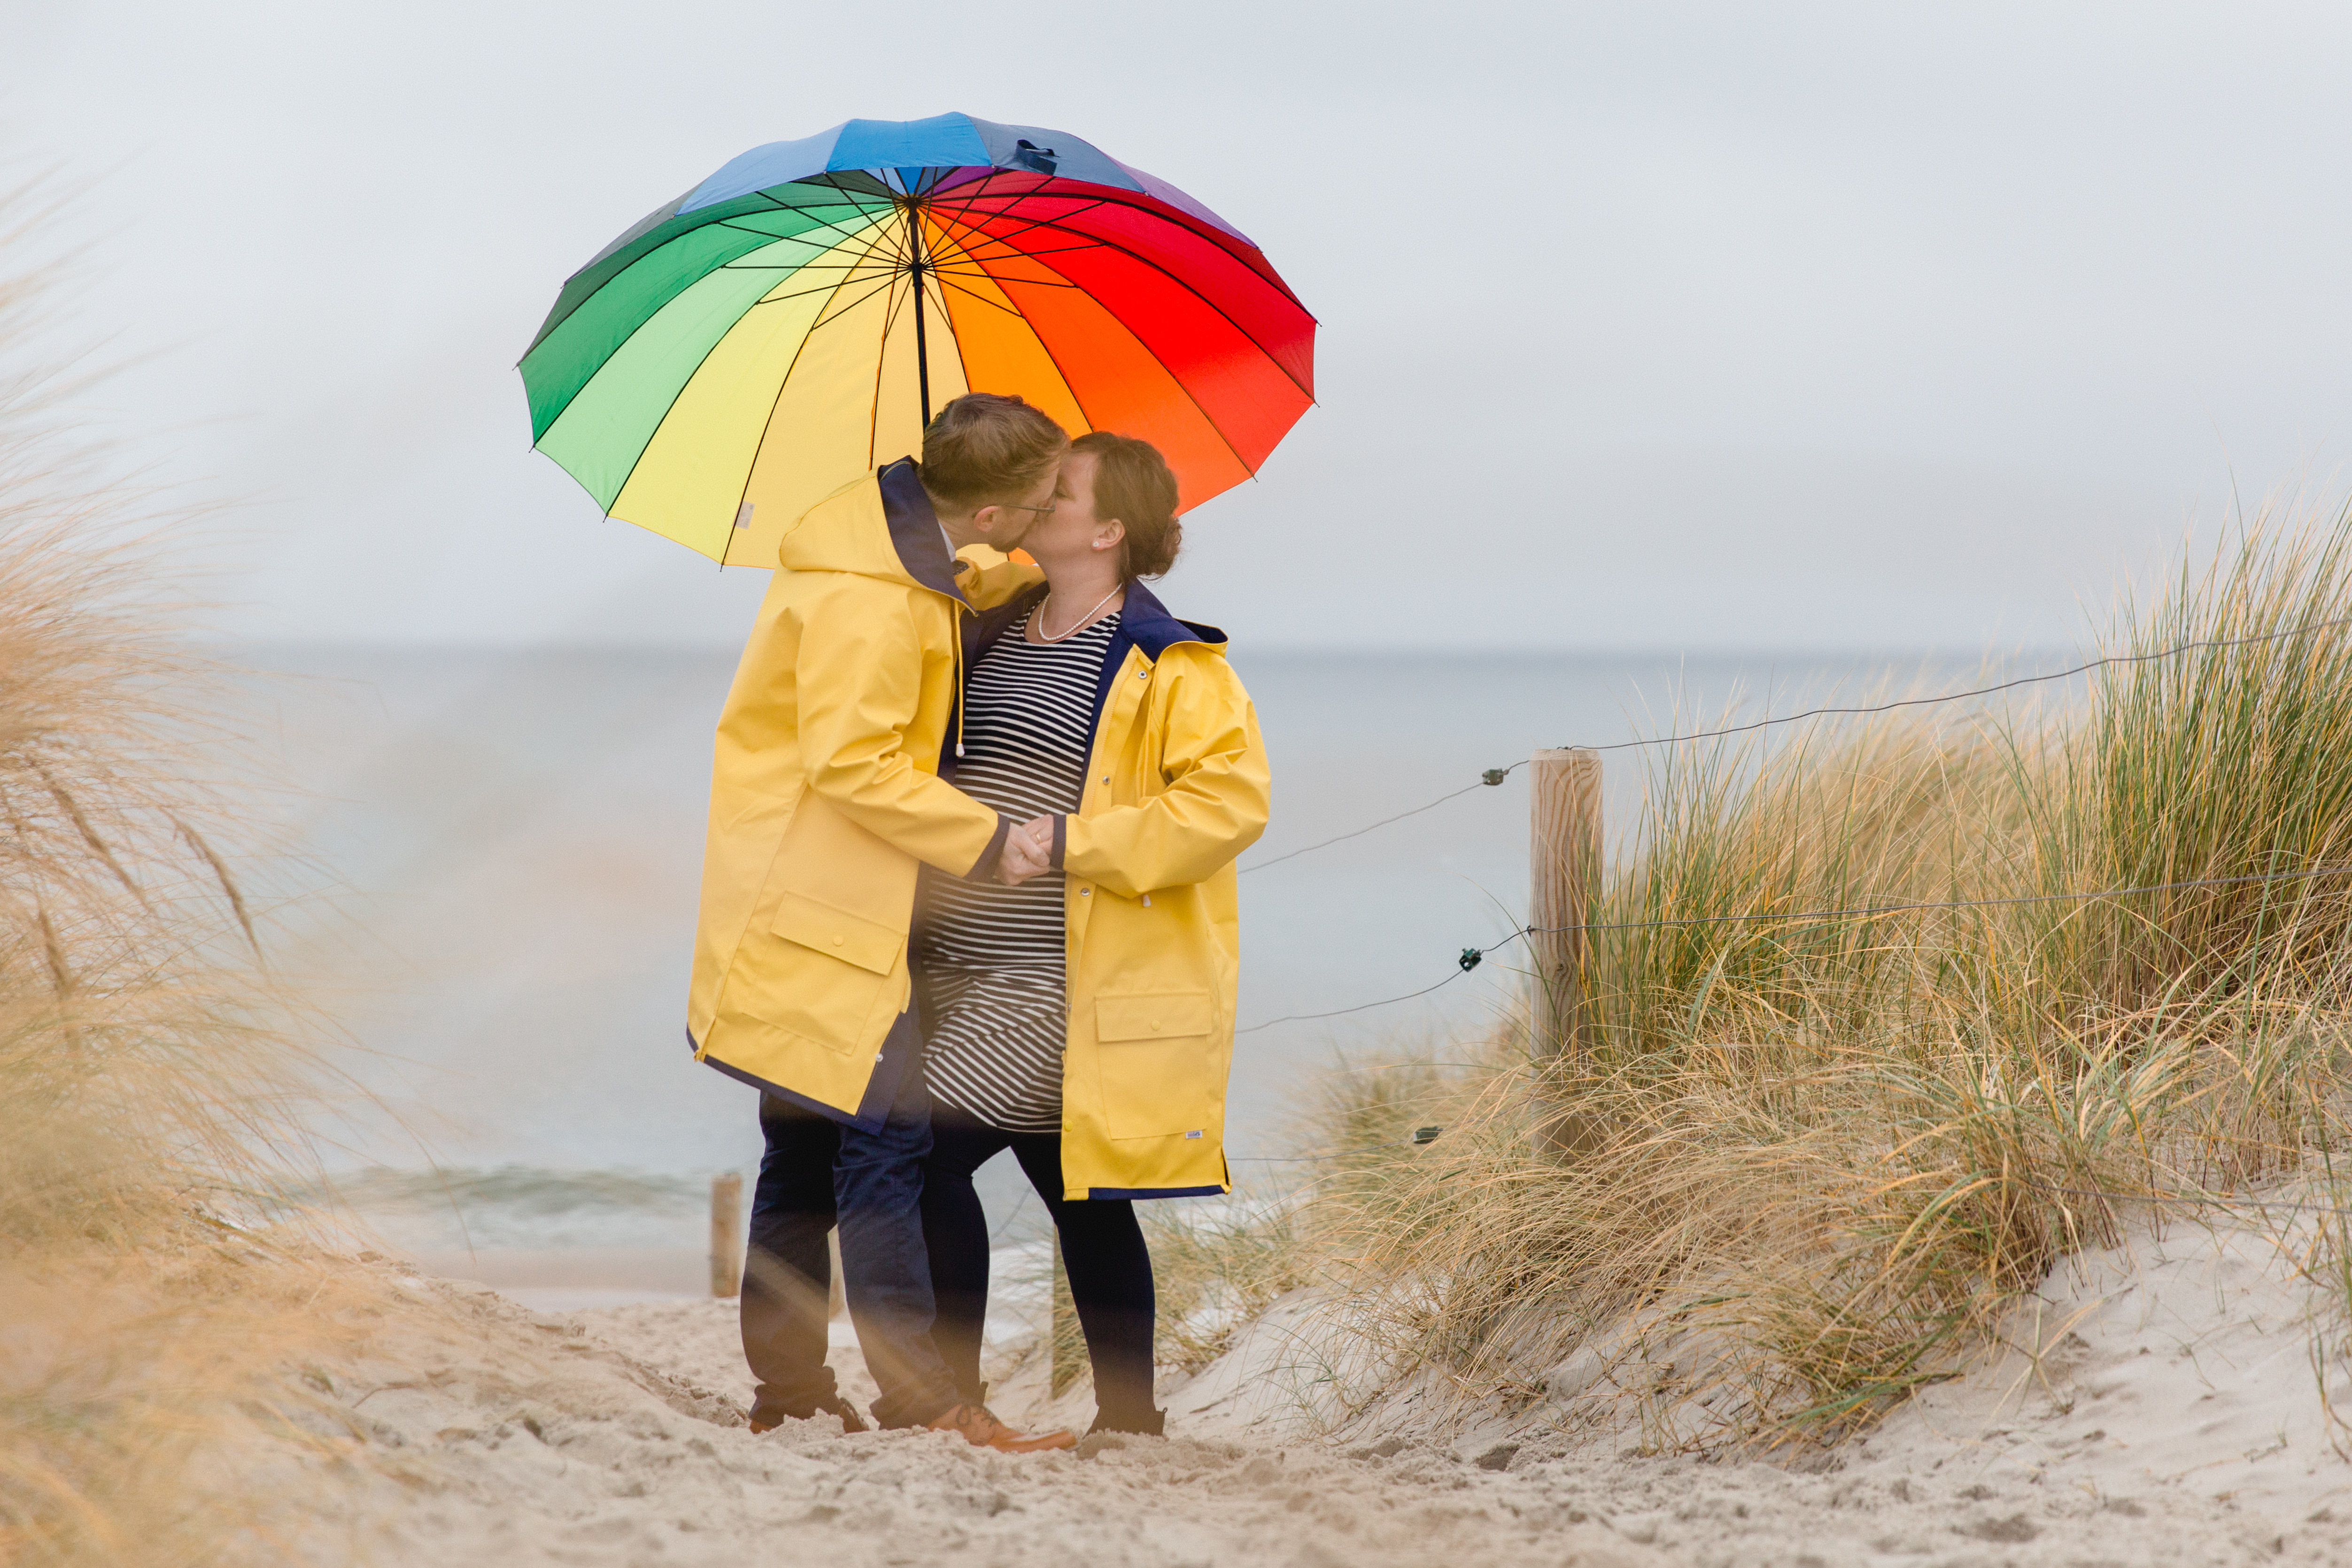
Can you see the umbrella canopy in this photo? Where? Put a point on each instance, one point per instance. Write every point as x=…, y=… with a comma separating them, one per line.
x=794, y=321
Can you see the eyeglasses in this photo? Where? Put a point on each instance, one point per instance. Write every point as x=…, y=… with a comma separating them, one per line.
x=1044, y=511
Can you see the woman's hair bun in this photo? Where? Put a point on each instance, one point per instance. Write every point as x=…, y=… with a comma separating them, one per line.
x=1134, y=483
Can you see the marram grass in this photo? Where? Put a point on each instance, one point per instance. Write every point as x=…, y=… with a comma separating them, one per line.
x=153, y=1075
x=1832, y=1151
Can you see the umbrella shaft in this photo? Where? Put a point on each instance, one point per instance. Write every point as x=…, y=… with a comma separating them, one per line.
x=914, y=266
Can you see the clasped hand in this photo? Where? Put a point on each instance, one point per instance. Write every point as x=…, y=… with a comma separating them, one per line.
x=1028, y=851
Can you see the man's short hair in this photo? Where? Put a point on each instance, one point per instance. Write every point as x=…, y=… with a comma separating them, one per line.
x=984, y=450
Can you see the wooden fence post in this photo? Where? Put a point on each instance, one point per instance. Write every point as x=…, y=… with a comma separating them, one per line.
x=727, y=1234
x=1564, y=810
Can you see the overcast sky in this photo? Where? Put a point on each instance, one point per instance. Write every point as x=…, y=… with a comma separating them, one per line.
x=1663, y=326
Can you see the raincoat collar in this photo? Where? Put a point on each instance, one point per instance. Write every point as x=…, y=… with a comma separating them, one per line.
x=915, y=531
x=1143, y=623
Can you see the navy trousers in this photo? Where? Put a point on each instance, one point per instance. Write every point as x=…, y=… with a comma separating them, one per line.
x=788, y=1271
x=816, y=1174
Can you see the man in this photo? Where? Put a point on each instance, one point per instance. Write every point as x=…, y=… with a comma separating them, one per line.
x=825, y=803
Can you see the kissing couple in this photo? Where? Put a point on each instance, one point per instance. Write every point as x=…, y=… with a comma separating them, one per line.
x=968, y=887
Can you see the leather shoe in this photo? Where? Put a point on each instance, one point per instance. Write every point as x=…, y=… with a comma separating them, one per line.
x=978, y=1425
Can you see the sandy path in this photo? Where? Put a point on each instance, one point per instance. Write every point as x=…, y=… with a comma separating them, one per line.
x=600, y=1439
x=2178, y=1428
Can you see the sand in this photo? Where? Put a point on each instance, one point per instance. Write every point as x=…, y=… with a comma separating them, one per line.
x=2159, y=1405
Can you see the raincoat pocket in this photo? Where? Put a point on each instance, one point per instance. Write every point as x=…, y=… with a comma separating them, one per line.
x=824, y=973
x=837, y=934
x=1158, y=1079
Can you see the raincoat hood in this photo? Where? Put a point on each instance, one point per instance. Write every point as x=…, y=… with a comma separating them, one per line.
x=838, y=534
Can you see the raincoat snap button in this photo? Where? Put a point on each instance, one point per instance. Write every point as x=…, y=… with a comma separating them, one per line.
x=836, y=941
x=1085, y=892
x=1155, y=1025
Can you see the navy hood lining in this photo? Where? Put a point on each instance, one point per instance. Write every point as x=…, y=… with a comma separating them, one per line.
x=914, y=525
x=1143, y=622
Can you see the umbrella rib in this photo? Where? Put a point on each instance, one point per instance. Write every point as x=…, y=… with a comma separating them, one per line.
x=1028, y=225
x=1055, y=361
x=789, y=266
x=1206, y=417
x=882, y=360
x=1057, y=250
x=982, y=272
x=1012, y=254
x=850, y=199
x=1187, y=288
x=869, y=206
x=850, y=271
x=888, y=281
x=1033, y=335
x=1165, y=211
x=984, y=299
x=1097, y=241
x=820, y=288
x=1060, y=225
x=623, y=272
x=968, y=202
x=865, y=213
x=901, y=255
x=773, y=403
x=849, y=274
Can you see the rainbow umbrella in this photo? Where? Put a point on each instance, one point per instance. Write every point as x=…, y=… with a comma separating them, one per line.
x=792, y=322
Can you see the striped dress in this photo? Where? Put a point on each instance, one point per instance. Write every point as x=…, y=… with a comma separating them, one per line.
x=996, y=999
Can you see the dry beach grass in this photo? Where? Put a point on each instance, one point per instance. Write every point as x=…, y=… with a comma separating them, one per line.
x=1838, y=1149
x=153, y=1074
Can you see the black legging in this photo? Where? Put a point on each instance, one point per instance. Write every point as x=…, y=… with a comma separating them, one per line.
x=1102, y=1249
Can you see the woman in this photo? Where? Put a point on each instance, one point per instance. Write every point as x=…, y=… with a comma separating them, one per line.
x=1084, y=1019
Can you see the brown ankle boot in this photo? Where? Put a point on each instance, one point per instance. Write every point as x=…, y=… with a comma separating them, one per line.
x=978, y=1425
x=1144, y=1423
x=766, y=1421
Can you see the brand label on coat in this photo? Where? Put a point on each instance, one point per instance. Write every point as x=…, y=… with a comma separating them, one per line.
x=1194, y=1134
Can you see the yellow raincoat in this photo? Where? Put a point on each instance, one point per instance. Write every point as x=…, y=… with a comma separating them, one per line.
x=826, y=795
x=1176, y=786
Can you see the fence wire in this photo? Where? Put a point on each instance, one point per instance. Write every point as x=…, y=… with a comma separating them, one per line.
x=1472, y=956
x=1493, y=775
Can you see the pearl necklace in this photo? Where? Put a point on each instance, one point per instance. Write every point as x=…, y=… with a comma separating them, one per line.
x=1045, y=636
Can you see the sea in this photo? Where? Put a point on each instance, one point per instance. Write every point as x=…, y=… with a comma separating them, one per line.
x=496, y=854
